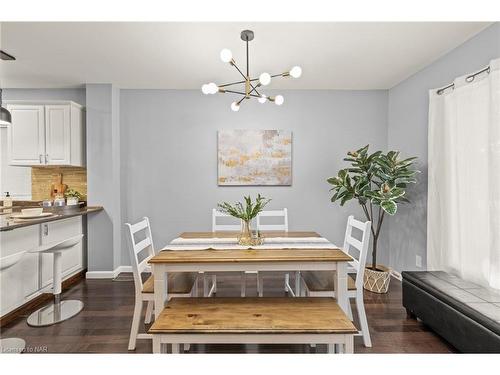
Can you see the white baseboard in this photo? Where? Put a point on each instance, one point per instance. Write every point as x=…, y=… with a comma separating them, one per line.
x=107, y=274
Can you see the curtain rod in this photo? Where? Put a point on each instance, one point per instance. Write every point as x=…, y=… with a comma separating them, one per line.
x=469, y=79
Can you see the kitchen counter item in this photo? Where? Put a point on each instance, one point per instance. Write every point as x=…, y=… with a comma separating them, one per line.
x=32, y=211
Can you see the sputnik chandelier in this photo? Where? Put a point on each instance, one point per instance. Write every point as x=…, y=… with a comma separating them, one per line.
x=252, y=85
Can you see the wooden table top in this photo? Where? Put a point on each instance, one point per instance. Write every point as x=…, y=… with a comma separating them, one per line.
x=268, y=234
x=251, y=256
x=252, y=315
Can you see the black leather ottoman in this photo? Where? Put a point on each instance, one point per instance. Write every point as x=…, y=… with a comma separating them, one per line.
x=464, y=314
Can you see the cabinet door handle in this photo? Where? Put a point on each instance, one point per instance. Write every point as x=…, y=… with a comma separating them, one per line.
x=45, y=229
x=46, y=158
x=40, y=157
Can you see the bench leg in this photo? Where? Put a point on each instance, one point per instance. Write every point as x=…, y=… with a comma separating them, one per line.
x=156, y=344
x=349, y=344
x=175, y=348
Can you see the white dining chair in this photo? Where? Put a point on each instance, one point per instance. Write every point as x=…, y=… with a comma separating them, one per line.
x=179, y=284
x=216, y=227
x=281, y=227
x=321, y=283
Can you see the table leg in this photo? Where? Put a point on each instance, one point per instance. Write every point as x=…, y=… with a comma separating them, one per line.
x=160, y=288
x=349, y=344
x=340, y=283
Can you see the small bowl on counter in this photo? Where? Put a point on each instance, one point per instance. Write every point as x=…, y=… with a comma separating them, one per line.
x=32, y=211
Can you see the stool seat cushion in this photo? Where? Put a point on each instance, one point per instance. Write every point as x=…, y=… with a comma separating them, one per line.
x=323, y=281
x=178, y=283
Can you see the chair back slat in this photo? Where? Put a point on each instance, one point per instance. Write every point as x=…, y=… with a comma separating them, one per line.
x=145, y=246
x=142, y=245
x=361, y=245
x=273, y=227
x=354, y=242
x=223, y=227
x=138, y=226
x=144, y=264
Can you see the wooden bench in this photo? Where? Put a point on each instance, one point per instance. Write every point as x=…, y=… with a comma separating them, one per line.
x=253, y=321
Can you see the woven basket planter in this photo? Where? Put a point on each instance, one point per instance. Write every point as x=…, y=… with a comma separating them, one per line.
x=376, y=281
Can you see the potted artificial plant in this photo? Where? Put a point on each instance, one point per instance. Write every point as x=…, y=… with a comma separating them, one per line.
x=72, y=197
x=378, y=182
x=246, y=213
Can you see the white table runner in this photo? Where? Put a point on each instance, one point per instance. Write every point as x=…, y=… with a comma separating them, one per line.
x=232, y=243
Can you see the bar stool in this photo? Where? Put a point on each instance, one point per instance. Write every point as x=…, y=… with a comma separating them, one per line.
x=57, y=311
x=11, y=344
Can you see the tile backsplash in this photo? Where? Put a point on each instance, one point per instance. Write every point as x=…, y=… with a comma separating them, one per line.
x=42, y=178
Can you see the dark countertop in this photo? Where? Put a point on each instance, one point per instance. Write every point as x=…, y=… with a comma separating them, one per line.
x=7, y=223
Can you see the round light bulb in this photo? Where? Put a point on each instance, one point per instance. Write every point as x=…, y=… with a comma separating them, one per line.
x=279, y=99
x=212, y=88
x=265, y=79
x=205, y=89
x=226, y=55
x=296, y=71
x=235, y=106
x=262, y=99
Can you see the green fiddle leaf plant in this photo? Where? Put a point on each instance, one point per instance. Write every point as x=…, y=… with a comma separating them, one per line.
x=378, y=181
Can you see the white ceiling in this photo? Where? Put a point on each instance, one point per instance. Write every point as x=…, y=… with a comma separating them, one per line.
x=186, y=55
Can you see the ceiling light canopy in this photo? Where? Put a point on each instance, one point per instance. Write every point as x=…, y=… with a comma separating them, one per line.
x=251, y=85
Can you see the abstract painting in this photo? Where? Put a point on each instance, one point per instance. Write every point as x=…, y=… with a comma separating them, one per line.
x=254, y=157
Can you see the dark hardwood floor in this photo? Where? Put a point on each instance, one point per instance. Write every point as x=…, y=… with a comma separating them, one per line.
x=103, y=326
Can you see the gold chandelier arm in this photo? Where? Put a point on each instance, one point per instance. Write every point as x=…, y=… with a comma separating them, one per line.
x=238, y=92
x=247, y=79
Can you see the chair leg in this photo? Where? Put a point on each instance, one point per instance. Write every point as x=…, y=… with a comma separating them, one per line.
x=297, y=284
x=205, y=285
x=362, y=320
x=134, y=330
x=149, y=312
x=260, y=284
x=349, y=310
x=287, y=281
x=243, y=284
x=214, y=283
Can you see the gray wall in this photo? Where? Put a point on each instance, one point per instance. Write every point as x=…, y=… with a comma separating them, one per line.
x=407, y=131
x=103, y=177
x=169, y=154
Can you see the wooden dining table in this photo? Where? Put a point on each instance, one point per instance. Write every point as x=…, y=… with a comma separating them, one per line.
x=257, y=259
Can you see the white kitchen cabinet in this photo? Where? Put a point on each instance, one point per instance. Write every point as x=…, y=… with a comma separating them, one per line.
x=72, y=259
x=57, y=134
x=47, y=133
x=32, y=275
x=19, y=282
x=26, y=140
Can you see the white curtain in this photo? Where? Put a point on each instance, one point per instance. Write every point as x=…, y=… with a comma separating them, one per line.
x=463, y=219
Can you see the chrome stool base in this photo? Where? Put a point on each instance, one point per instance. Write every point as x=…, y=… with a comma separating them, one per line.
x=12, y=345
x=54, y=313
